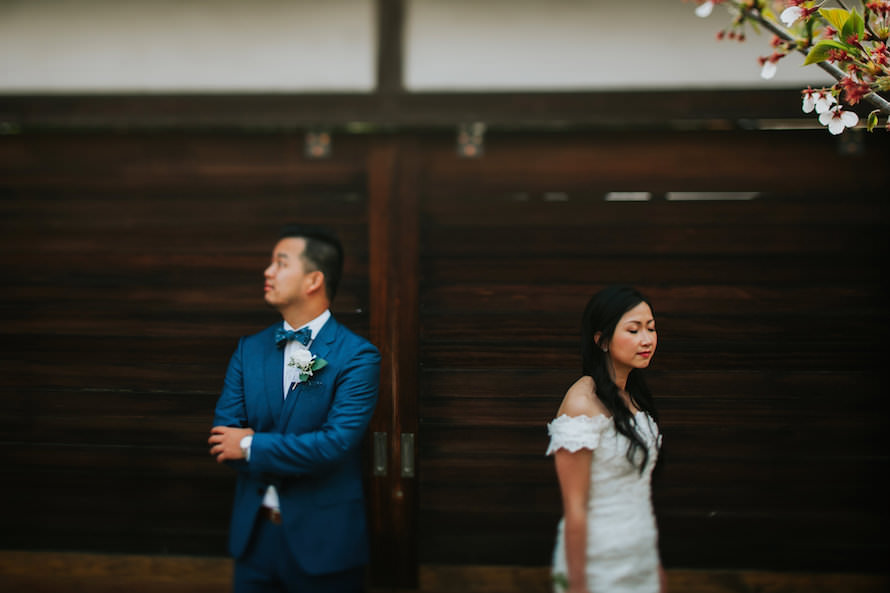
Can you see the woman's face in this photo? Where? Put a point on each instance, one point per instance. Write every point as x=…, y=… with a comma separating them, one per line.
x=633, y=343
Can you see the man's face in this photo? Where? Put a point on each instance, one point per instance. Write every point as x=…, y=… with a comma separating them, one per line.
x=286, y=277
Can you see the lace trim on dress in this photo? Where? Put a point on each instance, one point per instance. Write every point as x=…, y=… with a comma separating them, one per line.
x=573, y=433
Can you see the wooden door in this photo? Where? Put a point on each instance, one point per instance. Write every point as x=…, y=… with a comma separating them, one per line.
x=762, y=253
x=132, y=262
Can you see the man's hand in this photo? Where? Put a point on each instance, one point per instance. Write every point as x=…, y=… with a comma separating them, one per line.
x=225, y=442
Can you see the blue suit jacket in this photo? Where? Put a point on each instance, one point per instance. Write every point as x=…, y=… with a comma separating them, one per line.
x=308, y=446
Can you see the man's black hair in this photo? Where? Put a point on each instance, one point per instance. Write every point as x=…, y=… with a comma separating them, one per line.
x=323, y=252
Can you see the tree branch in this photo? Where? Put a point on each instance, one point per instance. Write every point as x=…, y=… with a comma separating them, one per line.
x=875, y=99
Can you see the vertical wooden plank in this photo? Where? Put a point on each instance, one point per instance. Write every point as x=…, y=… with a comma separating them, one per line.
x=405, y=328
x=390, y=18
x=394, y=322
x=381, y=162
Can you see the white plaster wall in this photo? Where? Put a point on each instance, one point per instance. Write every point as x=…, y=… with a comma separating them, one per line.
x=583, y=44
x=150, y=46
x=186, y=45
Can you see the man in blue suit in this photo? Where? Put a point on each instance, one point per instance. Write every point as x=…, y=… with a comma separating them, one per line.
x=296, y=403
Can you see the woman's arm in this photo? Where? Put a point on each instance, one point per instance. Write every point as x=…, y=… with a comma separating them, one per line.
x=573, y=472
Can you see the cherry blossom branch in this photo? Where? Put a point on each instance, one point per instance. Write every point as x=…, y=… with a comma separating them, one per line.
x=875, y=99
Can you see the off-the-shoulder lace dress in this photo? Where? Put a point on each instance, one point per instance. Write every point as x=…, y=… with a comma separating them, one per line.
x=622, y=540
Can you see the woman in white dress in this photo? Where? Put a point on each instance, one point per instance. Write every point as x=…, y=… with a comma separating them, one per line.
x=605, y=441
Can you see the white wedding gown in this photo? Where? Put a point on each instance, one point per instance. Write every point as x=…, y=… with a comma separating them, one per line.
x=622, y=540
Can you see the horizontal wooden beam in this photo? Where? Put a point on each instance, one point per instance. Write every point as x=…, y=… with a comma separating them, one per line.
x=49, y=572
x=674, y=109
x=536, y=579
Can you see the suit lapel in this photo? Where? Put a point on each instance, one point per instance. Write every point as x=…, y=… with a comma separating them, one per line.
x=320, y=347
x=273, y=377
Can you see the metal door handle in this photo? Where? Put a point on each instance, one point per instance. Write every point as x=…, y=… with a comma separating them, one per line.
x=407, y=454
x=380, y=454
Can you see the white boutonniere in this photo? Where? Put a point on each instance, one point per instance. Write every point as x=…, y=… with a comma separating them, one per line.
x=307, y=363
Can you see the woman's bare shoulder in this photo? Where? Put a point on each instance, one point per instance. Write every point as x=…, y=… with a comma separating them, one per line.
x=581, y=400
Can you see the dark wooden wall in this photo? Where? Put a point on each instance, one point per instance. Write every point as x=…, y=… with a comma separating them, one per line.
x=131, y=264
x=132, y=261
x=770, y=316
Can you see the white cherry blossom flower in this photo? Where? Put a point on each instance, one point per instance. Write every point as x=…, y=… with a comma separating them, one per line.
x=769, y=70
x=790, y=15
x=837, y=119
x=820, y=101
x=704, y=10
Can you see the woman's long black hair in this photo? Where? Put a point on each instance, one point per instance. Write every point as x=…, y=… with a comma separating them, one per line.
x=601, y=315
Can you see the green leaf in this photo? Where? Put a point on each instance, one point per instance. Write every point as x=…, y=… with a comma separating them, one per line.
x=836, y=16
x=854, y=26
x=819, y=53
x=873, y=120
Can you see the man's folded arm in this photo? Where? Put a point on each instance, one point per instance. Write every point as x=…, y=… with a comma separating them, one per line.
x=347, y=421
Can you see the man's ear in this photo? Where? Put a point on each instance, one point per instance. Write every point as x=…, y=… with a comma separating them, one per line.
x=316, y=281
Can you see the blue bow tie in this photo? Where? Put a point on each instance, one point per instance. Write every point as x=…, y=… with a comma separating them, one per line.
x=282, y=336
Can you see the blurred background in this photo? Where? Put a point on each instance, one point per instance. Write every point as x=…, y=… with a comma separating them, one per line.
x=489, y=166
